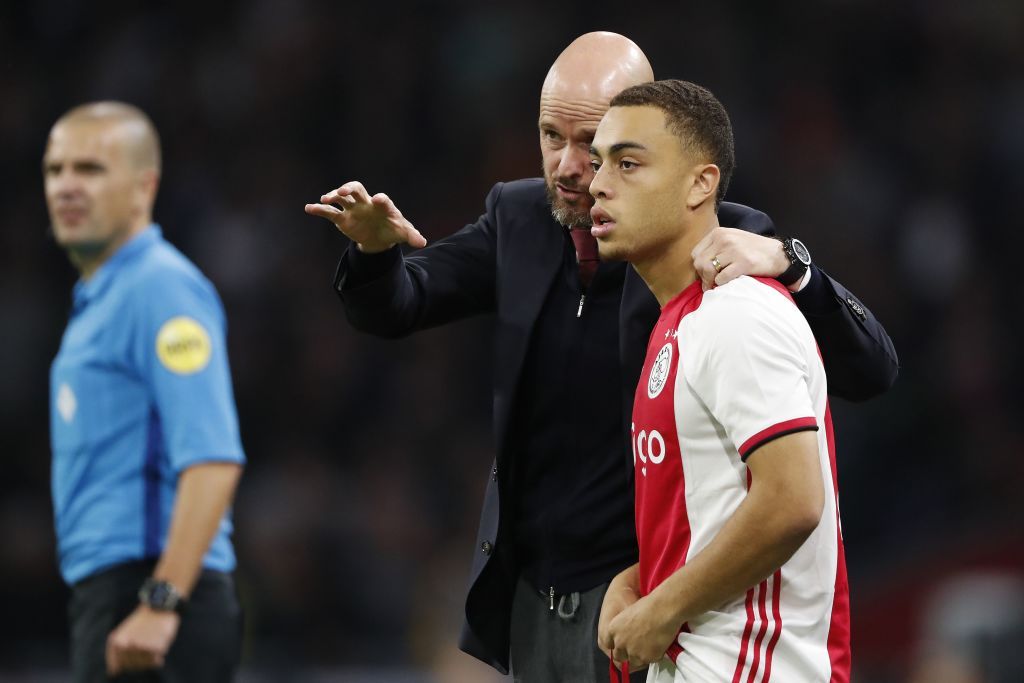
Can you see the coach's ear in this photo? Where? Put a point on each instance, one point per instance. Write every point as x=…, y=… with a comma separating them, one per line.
x=704, y=185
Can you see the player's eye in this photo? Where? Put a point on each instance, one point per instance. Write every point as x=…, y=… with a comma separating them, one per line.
x=595, y=165
x=625, y=164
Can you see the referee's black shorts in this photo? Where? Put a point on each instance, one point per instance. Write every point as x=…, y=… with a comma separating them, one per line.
x=207, y=648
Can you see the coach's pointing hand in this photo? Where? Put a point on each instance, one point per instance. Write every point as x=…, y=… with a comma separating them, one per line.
x=374, y=223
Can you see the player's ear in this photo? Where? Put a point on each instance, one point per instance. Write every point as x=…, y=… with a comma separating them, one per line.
x=705, y=185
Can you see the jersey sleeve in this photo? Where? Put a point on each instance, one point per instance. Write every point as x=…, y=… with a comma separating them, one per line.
x=747, y=361
x=181, y=350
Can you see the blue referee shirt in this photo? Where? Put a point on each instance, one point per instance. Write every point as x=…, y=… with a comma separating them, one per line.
x=139, y=391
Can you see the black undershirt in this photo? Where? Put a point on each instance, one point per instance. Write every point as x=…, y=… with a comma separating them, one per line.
x=567, y=505
x=572, y=506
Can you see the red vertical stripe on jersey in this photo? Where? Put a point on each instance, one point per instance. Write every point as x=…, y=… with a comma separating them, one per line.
x=839, y=627
x=762, y=612
x=741, y=661
x=777, y=614
x=675, y=649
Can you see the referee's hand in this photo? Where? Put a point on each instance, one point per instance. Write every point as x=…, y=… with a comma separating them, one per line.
x=141, y=641
x=374, y=223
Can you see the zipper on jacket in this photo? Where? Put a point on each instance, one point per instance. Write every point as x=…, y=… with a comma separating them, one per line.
x=579, y=311
x=551, y=597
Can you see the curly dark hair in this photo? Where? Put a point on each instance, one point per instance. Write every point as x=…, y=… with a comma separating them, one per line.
x=696, y=116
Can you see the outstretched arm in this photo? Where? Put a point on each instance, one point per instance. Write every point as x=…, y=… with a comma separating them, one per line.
x=388, y=294
x=374, y=223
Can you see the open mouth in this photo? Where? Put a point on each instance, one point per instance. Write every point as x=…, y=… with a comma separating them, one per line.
x=603, y=223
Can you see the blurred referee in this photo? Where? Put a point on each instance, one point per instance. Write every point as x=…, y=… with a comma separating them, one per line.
x=146, y=449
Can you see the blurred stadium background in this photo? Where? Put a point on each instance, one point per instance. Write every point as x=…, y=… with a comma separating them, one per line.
x=887, y=135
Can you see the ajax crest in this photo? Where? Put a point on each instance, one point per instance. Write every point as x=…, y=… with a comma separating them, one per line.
x=659, y=371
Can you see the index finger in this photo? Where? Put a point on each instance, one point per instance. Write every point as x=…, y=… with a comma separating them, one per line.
x=327, y=211
x=702, y=246
x=355, y=190
x=706, y=272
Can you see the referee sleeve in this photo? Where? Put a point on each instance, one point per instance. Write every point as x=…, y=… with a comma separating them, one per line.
x=182, y=351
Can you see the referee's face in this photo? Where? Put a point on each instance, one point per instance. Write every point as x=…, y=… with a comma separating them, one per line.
x=92, y=187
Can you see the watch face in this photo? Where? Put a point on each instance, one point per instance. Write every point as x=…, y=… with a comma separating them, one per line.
x=159, y=595
x=801, y=252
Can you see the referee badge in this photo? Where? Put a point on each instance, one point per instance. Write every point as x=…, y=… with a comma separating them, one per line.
x=183, y=346
x=659, y=371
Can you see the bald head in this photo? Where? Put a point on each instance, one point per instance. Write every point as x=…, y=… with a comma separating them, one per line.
x=101, y=171
x=583, y=80
x=134, y=129
x=596, y=67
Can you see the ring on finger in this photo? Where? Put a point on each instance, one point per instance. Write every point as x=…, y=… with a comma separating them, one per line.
x=717, y=264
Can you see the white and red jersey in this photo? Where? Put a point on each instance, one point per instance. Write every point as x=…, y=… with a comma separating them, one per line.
x=726, y=371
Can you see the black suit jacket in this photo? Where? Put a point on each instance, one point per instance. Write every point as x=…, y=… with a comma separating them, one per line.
x=505, y=263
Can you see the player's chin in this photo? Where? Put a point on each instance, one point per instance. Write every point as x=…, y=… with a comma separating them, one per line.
x=610, y=249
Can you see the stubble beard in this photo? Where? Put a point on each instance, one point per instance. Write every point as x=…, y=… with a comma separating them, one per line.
x=566, y=214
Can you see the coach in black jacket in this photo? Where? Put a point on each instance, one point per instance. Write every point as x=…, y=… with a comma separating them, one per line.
x=557, y=519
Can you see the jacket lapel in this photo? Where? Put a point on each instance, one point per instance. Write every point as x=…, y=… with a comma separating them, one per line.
x=530, y=253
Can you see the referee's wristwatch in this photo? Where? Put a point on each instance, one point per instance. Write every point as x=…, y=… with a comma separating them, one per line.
x=161, y=596
x=799, y=260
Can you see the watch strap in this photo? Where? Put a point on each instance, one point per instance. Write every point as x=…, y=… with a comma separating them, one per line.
x=161, y=596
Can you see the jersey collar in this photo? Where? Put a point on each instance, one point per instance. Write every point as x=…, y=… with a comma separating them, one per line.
x=87, y=290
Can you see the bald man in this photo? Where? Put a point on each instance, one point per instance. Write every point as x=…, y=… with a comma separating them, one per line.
x=146, y=449
x=557, y=522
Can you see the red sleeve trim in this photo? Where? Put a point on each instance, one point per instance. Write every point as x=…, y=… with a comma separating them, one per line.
x=800, y=424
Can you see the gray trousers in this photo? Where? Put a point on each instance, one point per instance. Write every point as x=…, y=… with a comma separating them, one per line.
x=558, y=645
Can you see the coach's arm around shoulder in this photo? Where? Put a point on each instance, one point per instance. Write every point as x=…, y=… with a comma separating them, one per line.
x=204, y=493
x=782, y=508
x=860, y=358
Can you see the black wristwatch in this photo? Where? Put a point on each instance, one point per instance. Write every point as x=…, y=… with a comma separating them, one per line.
x=799, y=260
x=161, y=596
